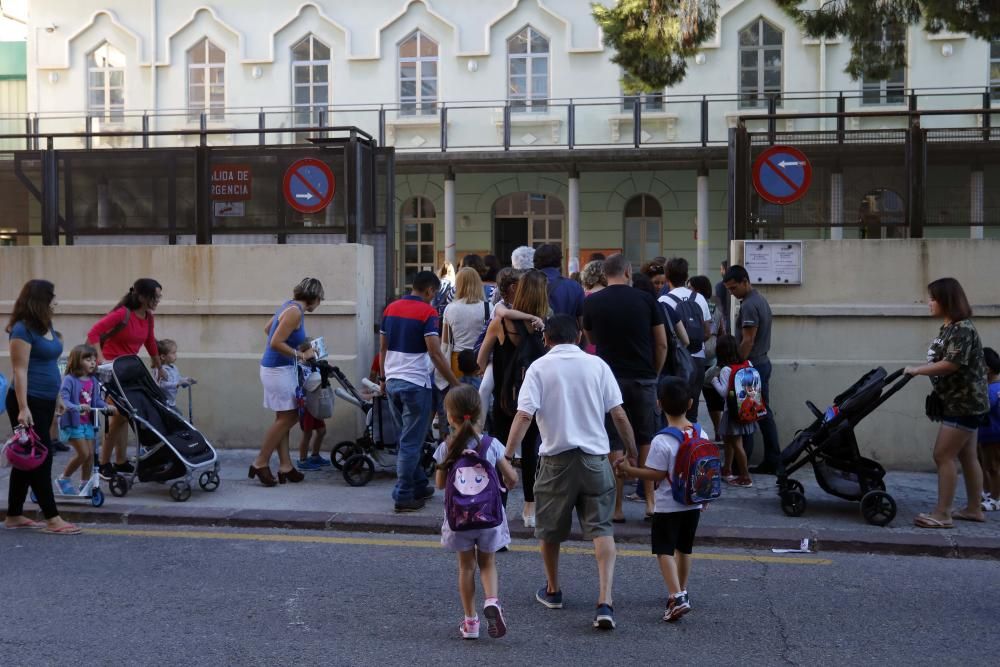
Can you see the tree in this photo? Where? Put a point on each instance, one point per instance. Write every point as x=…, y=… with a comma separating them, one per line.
x=653, y=38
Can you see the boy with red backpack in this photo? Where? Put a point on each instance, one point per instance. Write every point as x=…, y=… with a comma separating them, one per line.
x=687, y=468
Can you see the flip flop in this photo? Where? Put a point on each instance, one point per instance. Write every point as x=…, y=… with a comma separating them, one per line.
x=962, y=516
x=30, y=524
x=68, y=529
x=927, y=521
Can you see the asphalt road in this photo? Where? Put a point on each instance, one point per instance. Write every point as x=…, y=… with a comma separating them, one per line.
x=189, y=596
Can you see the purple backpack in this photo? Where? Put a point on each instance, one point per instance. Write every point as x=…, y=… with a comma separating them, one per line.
x=472, y=494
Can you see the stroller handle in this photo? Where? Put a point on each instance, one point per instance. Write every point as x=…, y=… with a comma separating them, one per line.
x=896, y=387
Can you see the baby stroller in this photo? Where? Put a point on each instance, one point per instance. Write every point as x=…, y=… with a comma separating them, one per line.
x=830, y=445
x=170, y=449
x=378, y=445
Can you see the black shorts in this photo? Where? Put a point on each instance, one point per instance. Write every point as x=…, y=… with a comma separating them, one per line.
x=713, y=401
x=639, y=403
x=674, y=530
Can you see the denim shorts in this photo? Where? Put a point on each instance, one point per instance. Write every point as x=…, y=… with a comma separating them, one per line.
x=81, y=432
x=967, y=423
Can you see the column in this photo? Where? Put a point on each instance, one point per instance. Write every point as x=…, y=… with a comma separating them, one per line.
x=836, y=205
x=702, y=224
x=573, y=214
x=976, y=204
x=449, y=217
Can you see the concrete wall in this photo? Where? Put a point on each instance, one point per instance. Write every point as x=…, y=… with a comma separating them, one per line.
x=216, y=300
x=862, y=304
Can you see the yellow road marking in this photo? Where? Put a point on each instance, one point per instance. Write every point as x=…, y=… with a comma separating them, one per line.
x=420, y=544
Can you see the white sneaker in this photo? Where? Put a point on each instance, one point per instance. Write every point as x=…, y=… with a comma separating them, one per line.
x=470, y=629
x=529, y=520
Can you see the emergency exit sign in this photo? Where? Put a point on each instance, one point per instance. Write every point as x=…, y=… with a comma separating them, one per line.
x=231, y=182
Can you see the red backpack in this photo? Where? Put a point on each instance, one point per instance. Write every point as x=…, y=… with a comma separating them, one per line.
x=697, y=474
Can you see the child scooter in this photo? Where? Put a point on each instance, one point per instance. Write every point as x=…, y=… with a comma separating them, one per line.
x=91, y=491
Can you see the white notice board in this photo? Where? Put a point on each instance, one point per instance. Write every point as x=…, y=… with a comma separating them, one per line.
x=773, y=262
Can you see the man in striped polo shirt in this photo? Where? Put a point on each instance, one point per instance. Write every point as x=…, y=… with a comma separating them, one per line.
x=410, y=343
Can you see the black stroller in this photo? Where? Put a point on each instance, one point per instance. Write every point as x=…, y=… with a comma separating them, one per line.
x=169, y=448
x=830, y=445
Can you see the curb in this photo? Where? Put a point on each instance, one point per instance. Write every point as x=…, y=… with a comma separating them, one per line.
x=937, y=544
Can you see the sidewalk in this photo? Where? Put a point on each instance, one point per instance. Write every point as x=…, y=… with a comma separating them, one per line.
x=748, y=518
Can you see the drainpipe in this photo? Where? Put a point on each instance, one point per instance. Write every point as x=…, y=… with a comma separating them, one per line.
x=822, y=80
x=154, y=38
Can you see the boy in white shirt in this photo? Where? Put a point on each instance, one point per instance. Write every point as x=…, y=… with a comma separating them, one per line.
x=674, y=525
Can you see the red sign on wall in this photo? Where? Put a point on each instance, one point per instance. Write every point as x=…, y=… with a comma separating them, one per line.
x=231, y=182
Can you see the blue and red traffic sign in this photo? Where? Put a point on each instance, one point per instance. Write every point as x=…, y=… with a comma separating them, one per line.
x=782, y=174
x=309, y=185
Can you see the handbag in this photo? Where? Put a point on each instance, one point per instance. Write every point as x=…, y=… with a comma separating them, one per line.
x=24, y=449
x=446, y=348
x=934, y=407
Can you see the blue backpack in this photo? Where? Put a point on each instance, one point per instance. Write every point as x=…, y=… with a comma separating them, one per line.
x=697, y=474
x=472, y=499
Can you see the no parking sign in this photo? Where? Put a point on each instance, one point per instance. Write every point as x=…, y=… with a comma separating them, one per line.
x=309, y=185
x=782, y=174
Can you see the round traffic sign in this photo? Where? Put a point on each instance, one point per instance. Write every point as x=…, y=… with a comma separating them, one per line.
x=309, y=185
x=782, y=174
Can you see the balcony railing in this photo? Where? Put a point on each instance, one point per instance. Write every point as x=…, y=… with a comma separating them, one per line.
x=478, y=125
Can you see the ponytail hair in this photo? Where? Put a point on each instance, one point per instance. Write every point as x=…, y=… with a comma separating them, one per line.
x=462, y=405
x=145, y=287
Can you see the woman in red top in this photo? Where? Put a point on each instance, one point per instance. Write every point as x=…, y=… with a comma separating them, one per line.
x=125, y=330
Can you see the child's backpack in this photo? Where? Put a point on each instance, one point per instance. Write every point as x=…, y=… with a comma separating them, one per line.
x=530, y=348
x=472, y=494
x=697, y=474
x=746, y=394
x=690, y=313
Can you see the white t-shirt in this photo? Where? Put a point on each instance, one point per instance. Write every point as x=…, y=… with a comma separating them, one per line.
x=466, y=321
x=683, y=293
x=571, y=392
x=662, y=454
x=493, y=454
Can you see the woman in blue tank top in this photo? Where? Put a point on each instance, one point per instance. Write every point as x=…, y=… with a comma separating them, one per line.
x=286, y=331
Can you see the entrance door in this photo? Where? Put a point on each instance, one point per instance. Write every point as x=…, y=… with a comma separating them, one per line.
x=510, y=234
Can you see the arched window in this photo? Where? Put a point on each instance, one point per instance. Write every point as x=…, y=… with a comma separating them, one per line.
x=206, y=80
x=643, y=229
x=528, y=71
x=310, y=80
x=106, y=83
x=760, y=63
x=418, y=75
x=526, y=218
x=418, y=219
x=891, y=90
x=882, y=215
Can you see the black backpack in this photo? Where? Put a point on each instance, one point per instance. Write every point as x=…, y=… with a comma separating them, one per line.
x=530, y=348
x=689, y=312
x=679, y=361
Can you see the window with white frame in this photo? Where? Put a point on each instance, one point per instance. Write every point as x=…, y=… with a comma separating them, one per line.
x=643, y=229
x=528, y=71
x=995, y=70
x=648, y=101
x=418, y=218
x=106, y=84
x=418, y=75
x=893, y=89
x=760, y=63
x=310, y=81
x=206, y=80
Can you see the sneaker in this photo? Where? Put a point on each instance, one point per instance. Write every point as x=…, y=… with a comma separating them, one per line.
x=550, y=600
x=988, y=503
x=60, y=446
x=318, y=460
x=743, y=483
x=414, y=505
x=604, y=619
x=496, y=626
x=66, y=486
x=306, y=464
x=106, y=471
x=126, y=468
x=730, y=479
x=677, y=606
x=469, y=629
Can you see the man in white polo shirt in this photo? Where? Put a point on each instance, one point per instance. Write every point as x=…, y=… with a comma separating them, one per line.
x=569, y=392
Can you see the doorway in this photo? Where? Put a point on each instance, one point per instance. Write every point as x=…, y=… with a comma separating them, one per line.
x=526, y=218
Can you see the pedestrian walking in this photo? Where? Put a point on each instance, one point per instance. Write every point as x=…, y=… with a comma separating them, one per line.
x=475, y=523
x=989, y=436
x=128, y=328
x=959, y=400
x=735, y=471
x=410, y=343
x=626, y=324
x=33, y=401
x=569, y=392
x=279, y=374
x=81, y=393
x=753, y=335
x=691, y=308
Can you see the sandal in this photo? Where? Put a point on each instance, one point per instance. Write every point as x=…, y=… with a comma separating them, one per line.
x=27, y=524
x=927, y=521
x=66, y=529
x=962, y=516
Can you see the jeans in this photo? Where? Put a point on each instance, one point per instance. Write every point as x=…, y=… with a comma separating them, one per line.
x=410, y=406
x=696, y=384
x=39, y=479
x=767, y=427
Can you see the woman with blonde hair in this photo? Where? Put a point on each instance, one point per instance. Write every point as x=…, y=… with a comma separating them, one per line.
x=465, y=317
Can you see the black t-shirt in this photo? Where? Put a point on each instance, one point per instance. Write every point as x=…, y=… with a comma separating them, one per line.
x=620, y=320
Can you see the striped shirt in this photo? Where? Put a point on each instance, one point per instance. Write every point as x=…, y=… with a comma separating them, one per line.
x=405, y=324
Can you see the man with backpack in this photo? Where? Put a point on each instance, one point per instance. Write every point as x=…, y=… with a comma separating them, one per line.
x=692, y=310
x=565, y=295
x=753, y=333
x=569, y=392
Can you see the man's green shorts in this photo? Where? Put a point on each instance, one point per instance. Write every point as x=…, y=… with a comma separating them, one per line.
x=574, y=480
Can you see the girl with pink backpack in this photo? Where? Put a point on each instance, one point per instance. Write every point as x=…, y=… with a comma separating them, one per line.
x=475, y=524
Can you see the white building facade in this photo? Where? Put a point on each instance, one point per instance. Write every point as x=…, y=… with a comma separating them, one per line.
x=507, y=115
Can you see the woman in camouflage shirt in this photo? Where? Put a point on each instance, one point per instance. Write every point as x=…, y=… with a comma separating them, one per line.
x=957, y=371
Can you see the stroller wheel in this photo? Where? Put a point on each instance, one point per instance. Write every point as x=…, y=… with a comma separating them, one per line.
x=795, y=485
x=878, y=508
x=358, y=470
x=118, y=486
x=793, y=503
x=209, y=481
x=342, y=451
x=180, y=491
x=98, y=498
